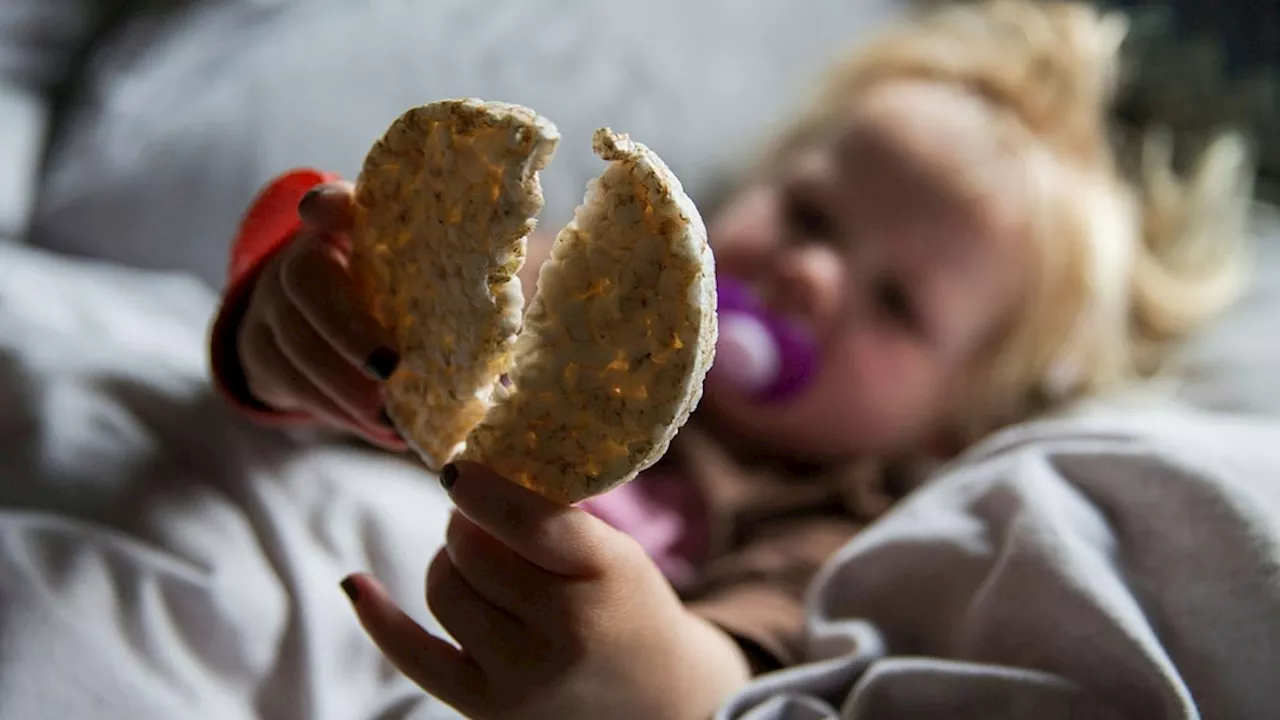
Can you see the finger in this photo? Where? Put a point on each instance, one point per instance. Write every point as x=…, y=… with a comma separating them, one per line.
x=329, y=208
x=344, y=383
x=275, y=382
x=500, y=575
x=563, y=540
x=356, y=398
x=436, y=666
x=315, y=278
x=484, y=631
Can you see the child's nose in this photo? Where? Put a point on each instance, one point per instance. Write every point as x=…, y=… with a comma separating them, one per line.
x=808, y=280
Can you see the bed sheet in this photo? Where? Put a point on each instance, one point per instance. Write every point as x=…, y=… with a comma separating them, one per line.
x=159, y=557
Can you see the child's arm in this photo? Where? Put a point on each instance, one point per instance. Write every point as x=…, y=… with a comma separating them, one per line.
x=290, y=344
x=270, y=225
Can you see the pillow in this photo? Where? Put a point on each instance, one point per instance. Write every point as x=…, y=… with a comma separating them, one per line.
x=1235, y=365
x=183, y=115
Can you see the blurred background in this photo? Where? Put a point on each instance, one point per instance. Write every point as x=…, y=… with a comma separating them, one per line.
x=137, y=131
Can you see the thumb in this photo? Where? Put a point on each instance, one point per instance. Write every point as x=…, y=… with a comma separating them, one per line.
x=563, y=540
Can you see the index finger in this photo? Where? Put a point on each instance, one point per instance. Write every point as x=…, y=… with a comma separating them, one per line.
x=433, y=664
x=563, y=540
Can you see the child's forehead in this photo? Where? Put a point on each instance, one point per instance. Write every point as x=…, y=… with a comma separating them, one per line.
x=919, y=119
x=931, y=131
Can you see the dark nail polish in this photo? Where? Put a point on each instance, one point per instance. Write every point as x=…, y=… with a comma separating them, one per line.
x=448, y=476
x=308, y=199
x=382, y=362
x=349, y=587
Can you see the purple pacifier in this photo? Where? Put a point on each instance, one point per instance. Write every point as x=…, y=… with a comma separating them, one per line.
x=761, y=354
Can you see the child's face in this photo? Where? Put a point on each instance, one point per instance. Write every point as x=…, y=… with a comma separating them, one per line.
x=896, y=241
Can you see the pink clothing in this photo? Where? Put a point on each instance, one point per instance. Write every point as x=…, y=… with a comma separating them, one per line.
x=666, y=515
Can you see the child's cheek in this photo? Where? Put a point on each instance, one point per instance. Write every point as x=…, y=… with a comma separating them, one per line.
x=884, y=381
x=871, y=358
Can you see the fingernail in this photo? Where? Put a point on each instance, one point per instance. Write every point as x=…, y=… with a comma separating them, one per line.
x=308, y=199
x=382, y=362
x=349, y=587
x=448, y=476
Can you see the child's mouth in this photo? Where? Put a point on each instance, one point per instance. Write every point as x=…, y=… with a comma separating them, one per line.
x=759, y=354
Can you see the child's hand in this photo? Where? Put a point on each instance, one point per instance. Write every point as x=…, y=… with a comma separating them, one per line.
x=557, y=614
x=306, y=344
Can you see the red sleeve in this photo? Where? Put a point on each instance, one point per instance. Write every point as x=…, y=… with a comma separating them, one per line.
x=268, y=226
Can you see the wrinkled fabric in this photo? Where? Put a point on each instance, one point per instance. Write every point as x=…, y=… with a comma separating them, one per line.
x=162, y=558
x=1123, y=563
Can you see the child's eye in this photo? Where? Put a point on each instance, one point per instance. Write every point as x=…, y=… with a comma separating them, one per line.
x=806, y=219
x=892, y=298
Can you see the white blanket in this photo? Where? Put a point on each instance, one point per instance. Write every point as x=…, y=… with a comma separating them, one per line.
x=161, y=558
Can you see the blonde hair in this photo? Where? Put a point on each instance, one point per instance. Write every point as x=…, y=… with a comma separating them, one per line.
x=1132, y=257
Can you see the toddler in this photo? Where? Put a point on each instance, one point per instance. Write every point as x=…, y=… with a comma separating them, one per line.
x=953, y=237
